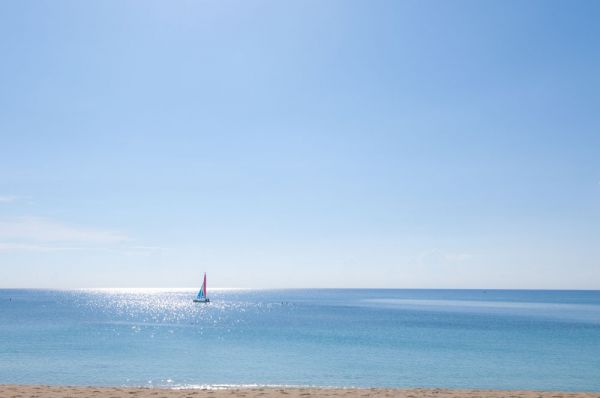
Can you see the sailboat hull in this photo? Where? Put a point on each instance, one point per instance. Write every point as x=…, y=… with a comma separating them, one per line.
x=201, y=300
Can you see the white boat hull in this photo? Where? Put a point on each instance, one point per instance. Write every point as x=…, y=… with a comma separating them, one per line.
x=201, y=300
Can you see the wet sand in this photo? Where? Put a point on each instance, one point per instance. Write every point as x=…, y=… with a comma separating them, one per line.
x=35, y=391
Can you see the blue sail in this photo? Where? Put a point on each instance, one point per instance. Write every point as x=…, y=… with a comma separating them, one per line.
x=202, y=292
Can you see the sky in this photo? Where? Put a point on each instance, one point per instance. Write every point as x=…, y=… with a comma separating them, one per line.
x=276, y=144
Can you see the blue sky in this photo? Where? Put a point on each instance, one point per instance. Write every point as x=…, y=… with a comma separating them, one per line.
x=450, y=144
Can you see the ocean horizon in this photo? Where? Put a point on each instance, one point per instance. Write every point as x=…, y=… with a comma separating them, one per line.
x=157, y=337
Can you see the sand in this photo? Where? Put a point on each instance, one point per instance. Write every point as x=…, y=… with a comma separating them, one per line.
x=21, y=391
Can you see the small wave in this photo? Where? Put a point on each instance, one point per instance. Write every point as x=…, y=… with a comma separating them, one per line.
x=483, y=304
x=238, y=386
x=570, y=311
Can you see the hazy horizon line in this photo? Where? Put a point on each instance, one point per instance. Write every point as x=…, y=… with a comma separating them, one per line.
x=299, y=288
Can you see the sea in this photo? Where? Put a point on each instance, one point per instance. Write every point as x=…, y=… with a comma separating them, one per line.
x=487, y=339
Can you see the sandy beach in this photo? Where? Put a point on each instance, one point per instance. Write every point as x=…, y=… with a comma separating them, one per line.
x=36, y=391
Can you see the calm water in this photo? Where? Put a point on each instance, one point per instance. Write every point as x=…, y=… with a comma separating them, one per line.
x=449, y=338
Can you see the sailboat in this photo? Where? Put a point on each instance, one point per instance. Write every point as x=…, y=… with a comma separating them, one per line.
x=202, y=297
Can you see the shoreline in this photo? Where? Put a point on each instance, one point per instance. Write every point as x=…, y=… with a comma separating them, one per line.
x=42, y=391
